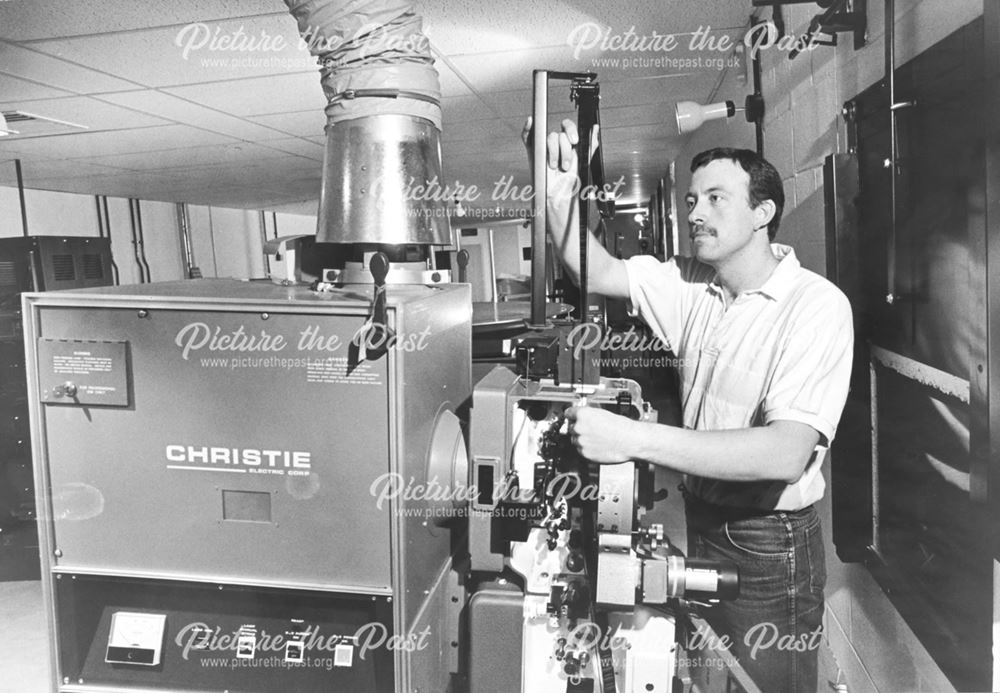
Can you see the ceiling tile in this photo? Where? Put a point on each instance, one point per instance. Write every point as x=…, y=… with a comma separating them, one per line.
x=32, y=171
x=190, y=54
x=39, y=67
x=96, y=144
x=451, y=84
x=119, y=185
x=304, y=207
x=185, y=112
x=41, y=19
x=14, y=89
x=259, y=95
x=298, y=123
x=463, y=108
x=297, y=145
x=237, y=152
x=484, y=130
x=95, y=115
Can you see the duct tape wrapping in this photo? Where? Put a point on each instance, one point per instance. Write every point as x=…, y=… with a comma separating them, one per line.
x=376, y=59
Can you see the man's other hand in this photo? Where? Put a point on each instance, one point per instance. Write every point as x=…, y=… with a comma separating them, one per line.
x=599, y=435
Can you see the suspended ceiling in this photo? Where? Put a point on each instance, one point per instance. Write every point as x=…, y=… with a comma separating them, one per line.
x=169, y=119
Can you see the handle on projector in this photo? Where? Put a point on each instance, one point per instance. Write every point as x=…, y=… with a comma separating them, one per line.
x=463, y=264
x=380, y=335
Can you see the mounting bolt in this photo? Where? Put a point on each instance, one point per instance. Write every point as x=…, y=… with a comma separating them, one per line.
x=143, y=313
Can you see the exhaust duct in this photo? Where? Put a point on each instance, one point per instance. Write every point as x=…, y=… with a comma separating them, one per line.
x=383, y=131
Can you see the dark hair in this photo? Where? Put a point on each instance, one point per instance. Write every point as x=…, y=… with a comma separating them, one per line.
x=765, y=181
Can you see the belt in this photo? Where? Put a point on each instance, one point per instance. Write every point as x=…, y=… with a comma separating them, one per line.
x=724, y=513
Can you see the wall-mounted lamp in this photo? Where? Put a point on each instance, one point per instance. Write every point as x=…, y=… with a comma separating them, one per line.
x=691, y=115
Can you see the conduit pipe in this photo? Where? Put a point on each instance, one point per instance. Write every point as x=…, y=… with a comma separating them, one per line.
x=893, y=162
x=20, y=197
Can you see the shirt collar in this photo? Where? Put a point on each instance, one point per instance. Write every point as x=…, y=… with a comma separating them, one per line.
x=782, y=278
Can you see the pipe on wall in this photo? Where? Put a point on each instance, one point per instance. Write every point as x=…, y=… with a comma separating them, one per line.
x=135, y=223
x=262, y=218
x=107, y=228
x=142, y=241
x=892, y=163
x=890, y=76
x=20, y=195
x=190, y=267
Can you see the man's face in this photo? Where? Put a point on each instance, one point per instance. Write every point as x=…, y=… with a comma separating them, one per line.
x=720, y=218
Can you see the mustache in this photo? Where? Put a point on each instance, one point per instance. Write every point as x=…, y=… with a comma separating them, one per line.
x=695, y=230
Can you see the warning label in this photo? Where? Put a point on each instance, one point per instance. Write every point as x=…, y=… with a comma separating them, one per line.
x=81, y=363
x=83, y=372
x=335, y=371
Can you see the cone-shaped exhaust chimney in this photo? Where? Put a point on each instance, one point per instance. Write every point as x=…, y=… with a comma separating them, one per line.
x=383, y=132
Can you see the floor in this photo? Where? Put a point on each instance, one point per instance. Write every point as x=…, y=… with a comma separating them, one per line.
x=23, y=648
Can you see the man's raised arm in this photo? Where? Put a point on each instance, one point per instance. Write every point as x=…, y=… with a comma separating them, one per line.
x=606, y=275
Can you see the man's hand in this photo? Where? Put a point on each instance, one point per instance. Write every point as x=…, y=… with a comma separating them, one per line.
x=599, y=435
x=557, y=149
x=563, y=182
x=606, y=274
x=562, y=179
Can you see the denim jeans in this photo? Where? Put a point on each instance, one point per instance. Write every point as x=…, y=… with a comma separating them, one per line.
x=775, y=626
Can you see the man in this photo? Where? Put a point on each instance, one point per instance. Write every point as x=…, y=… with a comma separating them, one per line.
x=765, y=358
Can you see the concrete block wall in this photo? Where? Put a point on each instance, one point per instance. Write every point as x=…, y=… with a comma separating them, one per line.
x=804, y=97
x=873, y=646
